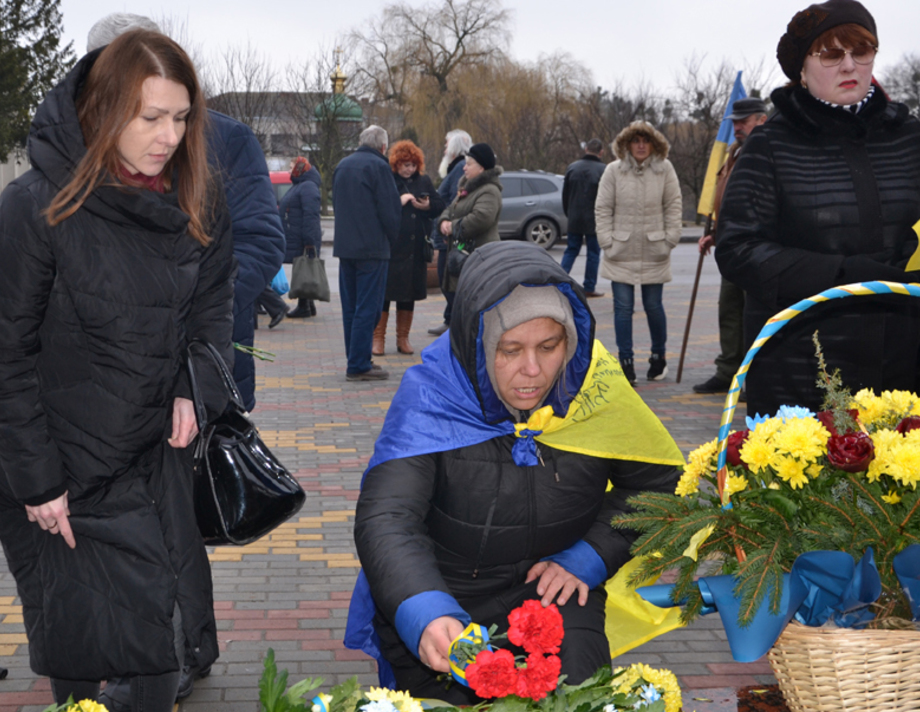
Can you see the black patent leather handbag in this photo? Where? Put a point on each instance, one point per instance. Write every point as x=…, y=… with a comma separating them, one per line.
x=242, y=491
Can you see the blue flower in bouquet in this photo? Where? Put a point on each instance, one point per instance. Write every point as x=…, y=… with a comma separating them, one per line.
x=648, y=694
x=790, y=412
x=379, y=706
x=753, y=421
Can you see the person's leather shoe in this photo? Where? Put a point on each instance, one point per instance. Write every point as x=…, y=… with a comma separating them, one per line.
x=593, y=295
x=713, y=385
x=439, y=329
x=187, y=680
x=374, y=374
x=277, y=319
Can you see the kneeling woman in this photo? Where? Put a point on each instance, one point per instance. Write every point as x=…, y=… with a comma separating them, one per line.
x=488, y=484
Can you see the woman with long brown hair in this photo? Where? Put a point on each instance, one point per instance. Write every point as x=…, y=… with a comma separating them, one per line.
x=116, y=252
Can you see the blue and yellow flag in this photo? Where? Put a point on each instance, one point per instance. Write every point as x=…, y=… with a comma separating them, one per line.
x=719, y=150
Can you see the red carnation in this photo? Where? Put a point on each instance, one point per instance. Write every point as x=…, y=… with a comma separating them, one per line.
x=493, y=674
x=851, y=452
x=827, y=420
x=535, y=628
x=735, y=441
x=539, y=677
x=911, y=422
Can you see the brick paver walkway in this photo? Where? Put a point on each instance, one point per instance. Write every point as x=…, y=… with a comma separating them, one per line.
x=290, y=590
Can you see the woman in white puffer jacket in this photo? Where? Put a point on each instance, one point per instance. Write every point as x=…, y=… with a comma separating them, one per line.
x=638, y=216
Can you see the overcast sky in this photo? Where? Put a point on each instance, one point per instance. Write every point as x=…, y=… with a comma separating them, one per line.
x=620, y=41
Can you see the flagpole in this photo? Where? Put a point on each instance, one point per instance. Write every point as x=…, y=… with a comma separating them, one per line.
x=696, y=285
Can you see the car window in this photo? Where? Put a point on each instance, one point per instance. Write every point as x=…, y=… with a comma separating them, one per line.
x=541, y=186
x=511, y=187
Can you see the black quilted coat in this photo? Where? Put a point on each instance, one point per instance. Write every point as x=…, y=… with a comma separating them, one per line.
x=820, y=197
x=96, y=314
x=422, y=523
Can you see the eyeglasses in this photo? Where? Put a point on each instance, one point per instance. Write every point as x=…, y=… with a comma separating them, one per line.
x=831, y=57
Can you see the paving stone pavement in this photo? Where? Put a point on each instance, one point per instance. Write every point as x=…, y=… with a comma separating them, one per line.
x=290, y=590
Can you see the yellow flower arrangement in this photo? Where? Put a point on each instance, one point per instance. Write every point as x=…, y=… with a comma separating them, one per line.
x=402, y=701
x=794, y=482
x=663, y=680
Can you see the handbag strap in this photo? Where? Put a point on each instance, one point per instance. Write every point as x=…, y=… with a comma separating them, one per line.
x=309, y=251
x=203, y=348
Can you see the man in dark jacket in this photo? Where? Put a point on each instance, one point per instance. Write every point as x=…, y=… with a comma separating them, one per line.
x=579, y=190
x=747, y=114
x=367, y=217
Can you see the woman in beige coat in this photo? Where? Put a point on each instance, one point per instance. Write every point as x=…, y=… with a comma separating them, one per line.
x=638, y=212
x=473, y=216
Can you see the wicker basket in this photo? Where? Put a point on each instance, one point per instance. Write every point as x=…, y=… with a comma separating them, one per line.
x=841, y=669
x=834, y=669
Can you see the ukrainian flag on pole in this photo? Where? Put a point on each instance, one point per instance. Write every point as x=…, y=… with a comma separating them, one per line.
x=719, y=149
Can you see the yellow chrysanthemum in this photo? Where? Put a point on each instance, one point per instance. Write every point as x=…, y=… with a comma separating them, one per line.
x=792, y=471
x=87, y=706
x=814, y=470
x=735, y=483
x=899, y=402
x=871, y=408
x=892, y=497
x=689, y=483
x=803, y=438
x=402, y=701
x=758, y=455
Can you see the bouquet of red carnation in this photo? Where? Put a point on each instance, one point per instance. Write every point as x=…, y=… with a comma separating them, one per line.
x=500, y=673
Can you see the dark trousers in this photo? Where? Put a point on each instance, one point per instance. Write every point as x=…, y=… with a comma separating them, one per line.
x=584, y=648
x=273, y=304
x=442, y=273
x=573, y=247
x=400, y=306
x=361, y=289
x=731, y=330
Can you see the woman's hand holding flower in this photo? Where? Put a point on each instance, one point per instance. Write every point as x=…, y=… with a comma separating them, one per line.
x=434, y=645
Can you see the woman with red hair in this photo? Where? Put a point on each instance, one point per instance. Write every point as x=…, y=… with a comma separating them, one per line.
x=116, y=253
x=407, y=277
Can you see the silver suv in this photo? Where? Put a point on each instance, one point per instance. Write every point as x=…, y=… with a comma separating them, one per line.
x=532, y=207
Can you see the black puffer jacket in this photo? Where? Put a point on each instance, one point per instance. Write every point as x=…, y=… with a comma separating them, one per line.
x=818, y=198
x=579, y=192
x=96, y=315
x=422, y=523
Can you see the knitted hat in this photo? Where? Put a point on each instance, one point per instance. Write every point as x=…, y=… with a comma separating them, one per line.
x=524, y=304
x=301, y=166
x=483, y=154
x=808, y=24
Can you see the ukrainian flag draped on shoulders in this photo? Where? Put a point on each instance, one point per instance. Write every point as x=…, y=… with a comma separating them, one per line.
x=437, y=408
x=719, y=151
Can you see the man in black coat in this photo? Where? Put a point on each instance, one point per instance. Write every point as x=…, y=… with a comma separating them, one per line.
x=579, y=191
x=368, y=213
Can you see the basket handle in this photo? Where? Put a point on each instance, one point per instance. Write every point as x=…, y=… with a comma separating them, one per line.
x=774, y=324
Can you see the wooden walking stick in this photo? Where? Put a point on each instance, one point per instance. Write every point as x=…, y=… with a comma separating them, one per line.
x=696, y=285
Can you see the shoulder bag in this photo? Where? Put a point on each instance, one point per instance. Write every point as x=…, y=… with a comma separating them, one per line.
x=457, y=252
x=242, y=491
x=308, y=277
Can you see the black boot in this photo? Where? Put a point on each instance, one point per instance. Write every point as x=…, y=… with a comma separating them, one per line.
x=312, y=307
x=301, y=311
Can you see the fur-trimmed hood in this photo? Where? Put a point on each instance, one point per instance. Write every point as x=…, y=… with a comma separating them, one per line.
x=490, y=175
x=660, y=145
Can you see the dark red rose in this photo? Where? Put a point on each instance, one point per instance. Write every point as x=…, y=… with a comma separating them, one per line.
x=851, y=452
x=735, y=441
x=827, y=420
x=539, y=677
x=535, y=628
x=493, y=674
x=911, y=422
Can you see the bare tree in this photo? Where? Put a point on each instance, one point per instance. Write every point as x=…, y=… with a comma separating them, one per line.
x=902, y=81
x=244, y=84
x=177, y=28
